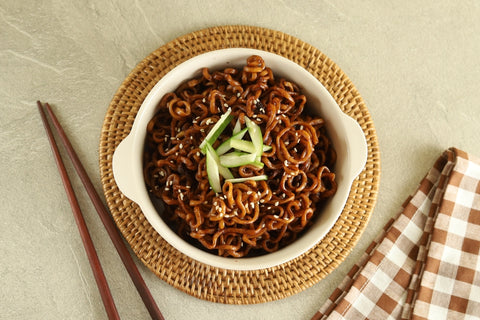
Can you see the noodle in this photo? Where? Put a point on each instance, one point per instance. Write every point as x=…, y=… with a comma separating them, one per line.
x=251, y=217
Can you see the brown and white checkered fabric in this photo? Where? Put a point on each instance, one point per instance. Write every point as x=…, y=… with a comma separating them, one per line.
x=426, y=263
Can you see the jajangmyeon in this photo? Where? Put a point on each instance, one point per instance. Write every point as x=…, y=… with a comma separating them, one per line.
x=261, y=205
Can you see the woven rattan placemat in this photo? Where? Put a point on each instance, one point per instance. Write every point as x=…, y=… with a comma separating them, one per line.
x=200, y=280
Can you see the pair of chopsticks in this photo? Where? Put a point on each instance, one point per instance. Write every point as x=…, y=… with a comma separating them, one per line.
x=104, y=216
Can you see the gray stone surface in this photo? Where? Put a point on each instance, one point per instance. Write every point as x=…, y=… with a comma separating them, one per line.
x=416, y=64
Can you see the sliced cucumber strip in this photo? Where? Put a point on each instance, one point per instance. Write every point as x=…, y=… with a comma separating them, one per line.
x=256, y=136
x=237, y=159
x=243, y=145
x=227, y=145
x=258, y=164
x=238, y=126
x=254, y=178
x=266, y=148
x=224, y=172
x=212, y=170
x=217, y=129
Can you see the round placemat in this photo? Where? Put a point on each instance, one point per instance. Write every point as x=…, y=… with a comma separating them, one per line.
x=211, y=283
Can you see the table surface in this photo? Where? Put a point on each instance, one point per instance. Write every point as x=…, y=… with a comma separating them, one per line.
x=415, y=63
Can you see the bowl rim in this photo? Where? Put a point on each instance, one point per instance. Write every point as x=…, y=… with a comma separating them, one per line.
x=127, y=156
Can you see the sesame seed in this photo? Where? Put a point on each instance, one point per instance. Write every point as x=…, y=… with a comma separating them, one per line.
x=180, y=146
x=277, y=203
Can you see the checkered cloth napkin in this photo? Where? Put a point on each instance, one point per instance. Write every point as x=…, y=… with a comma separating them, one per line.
x=426, y=263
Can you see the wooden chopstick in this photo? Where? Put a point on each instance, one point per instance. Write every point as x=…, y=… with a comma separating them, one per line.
x=82, y=227
x=107, y=221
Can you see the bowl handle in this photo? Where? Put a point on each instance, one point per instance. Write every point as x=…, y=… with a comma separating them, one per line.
x=358, y=146
x=123, y=169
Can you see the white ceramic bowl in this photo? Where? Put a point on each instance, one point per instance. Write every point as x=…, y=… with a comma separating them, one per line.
x=347, y=137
